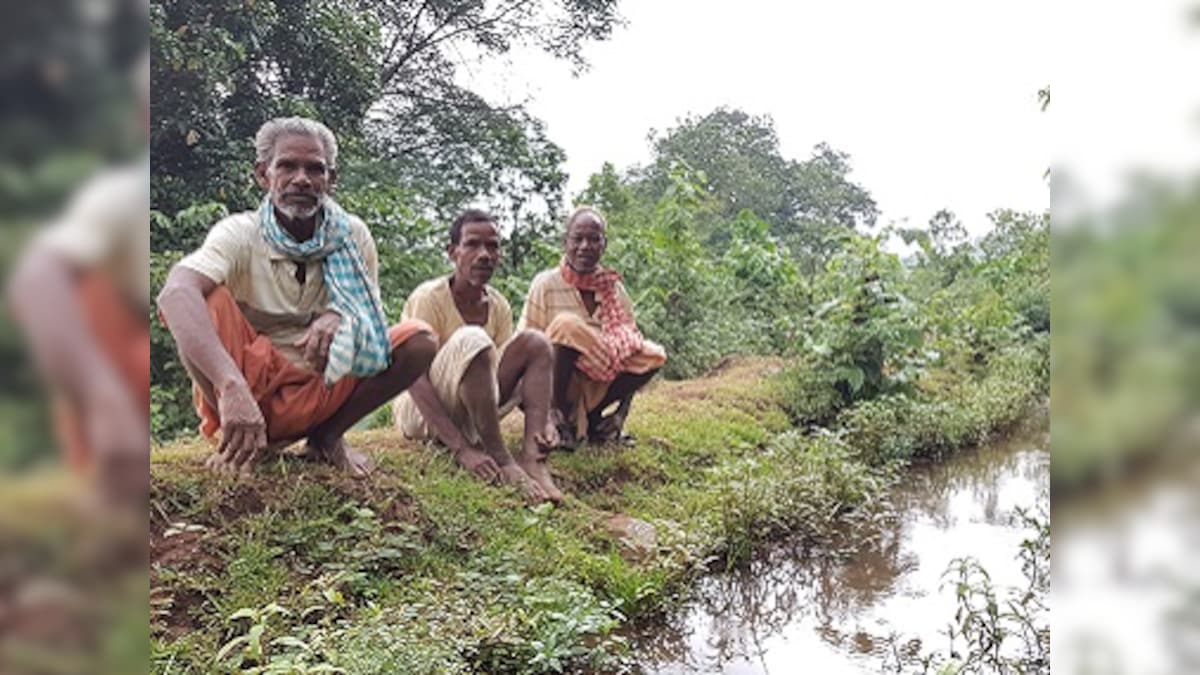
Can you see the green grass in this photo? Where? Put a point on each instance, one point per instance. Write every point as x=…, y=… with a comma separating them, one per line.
x=422, y=569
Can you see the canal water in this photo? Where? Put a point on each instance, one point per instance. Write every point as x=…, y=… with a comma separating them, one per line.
x=795, y=609
x=1126, y=572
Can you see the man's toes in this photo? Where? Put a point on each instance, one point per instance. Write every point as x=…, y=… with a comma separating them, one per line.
x=534, y=493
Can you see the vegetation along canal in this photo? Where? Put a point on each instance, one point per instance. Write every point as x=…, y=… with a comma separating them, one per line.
x=884, y=596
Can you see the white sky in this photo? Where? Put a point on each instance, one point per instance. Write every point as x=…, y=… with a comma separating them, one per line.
x=935, y=100
x=1123, y=100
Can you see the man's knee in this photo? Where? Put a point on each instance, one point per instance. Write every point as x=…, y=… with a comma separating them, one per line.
x=418, y=349
x=469, y=338
x=481, y=365
x=533, y=344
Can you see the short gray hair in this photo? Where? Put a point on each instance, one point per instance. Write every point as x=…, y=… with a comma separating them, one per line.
x=268, y=135
x=585, y=210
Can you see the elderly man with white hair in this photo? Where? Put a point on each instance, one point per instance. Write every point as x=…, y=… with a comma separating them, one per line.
x=278, y=318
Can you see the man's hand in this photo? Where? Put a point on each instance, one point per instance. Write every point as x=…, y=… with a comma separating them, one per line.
x=243, y=429
x=314, y=344
x=120, y=436
x=477, y=463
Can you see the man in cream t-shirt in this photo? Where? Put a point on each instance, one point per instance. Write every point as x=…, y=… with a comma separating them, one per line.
x=81, y=295
x=277, y=315
x=482, y=370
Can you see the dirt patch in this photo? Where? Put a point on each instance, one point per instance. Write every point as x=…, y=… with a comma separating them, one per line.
x=401, y=510
x=721, y=367
x=173, y=612
x=612, y=482
x=243, y=499
x=182, y=548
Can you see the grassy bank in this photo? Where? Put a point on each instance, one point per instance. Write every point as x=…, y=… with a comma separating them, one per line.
x=423, y=570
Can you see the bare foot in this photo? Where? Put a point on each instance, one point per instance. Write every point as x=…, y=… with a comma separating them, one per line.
x=342, y=455
x=478, y=464
x=535, y=467
x=513, y=474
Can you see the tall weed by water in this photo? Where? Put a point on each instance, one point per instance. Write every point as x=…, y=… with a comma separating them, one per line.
x=993, y=630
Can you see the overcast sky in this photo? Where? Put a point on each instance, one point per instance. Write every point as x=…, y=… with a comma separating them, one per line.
x=935, y=101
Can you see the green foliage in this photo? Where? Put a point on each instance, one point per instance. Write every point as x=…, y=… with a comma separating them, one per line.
x=675, y=300
x=68, y=99
x=864, y=336
x=803, y=201
x=701, y=305
x=231, y=65
x=171, y=407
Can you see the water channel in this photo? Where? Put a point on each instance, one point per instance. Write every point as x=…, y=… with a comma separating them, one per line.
x=798, y=610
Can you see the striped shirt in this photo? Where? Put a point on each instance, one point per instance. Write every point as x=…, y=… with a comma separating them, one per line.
x=551, y=295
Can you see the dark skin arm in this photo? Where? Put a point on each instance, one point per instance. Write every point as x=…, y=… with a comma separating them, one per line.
x=41, y=293
x=42, y=298
x=443, y=427
x=182, y=303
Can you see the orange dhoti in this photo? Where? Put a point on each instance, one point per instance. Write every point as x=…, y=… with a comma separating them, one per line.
x=583, y=393
x=293, y=400
x=123, y=337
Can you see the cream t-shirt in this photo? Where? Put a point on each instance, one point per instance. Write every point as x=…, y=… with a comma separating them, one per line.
x=433, y=303
x=263, y=279
x=106, y=226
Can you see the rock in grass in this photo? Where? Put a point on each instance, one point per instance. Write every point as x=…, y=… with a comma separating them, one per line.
x=637, y=538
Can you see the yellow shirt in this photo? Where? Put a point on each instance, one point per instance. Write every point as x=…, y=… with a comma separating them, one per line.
x=433, y=303
x=263, y=279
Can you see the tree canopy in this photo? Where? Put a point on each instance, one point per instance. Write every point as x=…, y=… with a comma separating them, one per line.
x=806, y=202
x=382, y=75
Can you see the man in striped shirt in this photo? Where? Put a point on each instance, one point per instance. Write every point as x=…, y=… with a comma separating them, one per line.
x=601, y=357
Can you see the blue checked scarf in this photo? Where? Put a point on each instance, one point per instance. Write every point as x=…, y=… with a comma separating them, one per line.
x=360, y=347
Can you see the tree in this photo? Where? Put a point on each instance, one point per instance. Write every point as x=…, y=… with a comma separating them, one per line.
x=737, y=155
x=67, y=104
x=823, y=205
x=809, y=204
x=382, y=74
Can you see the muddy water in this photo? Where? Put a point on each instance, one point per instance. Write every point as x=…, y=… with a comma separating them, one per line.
x=799, y=610
x=1126, y=573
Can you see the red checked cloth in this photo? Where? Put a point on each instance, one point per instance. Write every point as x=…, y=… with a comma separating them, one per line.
x=619, y=332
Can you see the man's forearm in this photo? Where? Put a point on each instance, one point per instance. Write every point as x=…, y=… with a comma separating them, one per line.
x=435, y=415
x=186, y=314
x=43, y=300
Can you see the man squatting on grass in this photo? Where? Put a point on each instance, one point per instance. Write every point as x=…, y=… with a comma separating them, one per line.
x=81, y=293
x=482, y=370
x=278, y=319
x=600, y=355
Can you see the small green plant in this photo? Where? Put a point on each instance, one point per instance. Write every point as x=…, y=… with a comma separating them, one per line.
x=994, y=630
x=255, y=652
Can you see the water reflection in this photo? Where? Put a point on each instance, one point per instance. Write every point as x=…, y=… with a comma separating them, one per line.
x=1126, y=570
x=833, y=607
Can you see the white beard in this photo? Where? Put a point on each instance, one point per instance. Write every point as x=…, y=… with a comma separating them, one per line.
x=296, y=212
